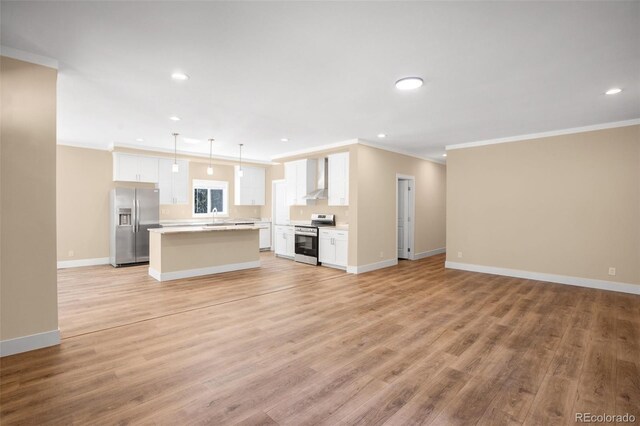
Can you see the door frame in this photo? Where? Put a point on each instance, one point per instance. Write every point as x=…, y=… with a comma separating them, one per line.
x=412, y=209
x=273, y=211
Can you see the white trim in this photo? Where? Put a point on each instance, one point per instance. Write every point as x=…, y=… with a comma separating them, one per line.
x=372, y=266
x=399, y=151
x=601, y=126
x=429, y=253
x=553, y=278
x=315, y=149
x=62, y=264
x=33, y=58
x=115, y=146
x=29, y=343
x=82, y=145
x=188, y=273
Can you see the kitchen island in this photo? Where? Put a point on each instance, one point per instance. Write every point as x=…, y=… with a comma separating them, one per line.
x=183, y=252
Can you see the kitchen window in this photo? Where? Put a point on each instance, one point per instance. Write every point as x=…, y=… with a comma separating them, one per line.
x=210, y=194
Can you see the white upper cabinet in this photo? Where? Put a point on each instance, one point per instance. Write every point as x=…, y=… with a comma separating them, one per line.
x=174, y=187
x=249, y=189
x=338, y=179
x=134, y=168
x=300, y=177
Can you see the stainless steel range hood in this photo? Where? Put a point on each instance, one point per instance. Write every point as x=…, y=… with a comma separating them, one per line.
x=321, y=193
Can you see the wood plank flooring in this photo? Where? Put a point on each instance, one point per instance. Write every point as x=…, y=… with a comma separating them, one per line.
x=290, y=344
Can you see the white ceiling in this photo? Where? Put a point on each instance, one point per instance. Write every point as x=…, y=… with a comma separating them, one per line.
x=319, y=73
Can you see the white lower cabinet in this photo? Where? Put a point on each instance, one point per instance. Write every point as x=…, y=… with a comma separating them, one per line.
x=333, y=247
x=284, y=240
x=265, y=235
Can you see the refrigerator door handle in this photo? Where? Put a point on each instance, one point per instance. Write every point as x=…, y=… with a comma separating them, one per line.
x=136, y=228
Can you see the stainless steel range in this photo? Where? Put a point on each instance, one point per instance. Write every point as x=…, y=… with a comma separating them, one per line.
x=306, y=238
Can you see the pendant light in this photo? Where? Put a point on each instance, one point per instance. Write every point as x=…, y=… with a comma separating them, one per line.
x=175, y=168
x=240, y=172
x=210, y=169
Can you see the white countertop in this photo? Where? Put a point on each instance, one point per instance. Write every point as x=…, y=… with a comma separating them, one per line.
x=202, y=222
x=189, y=229
x=339, y=227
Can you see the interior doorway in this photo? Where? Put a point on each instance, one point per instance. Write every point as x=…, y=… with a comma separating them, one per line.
x=405, y=214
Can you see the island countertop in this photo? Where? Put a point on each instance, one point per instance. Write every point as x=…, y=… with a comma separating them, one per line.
x=204, y=228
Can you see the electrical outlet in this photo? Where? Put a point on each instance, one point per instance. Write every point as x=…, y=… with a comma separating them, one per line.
x=381, y=254
x=612, y=271
x=71, y=254
x=459, y=254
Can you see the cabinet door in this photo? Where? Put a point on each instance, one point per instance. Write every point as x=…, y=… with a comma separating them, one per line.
x=259, y=186
x=339, y=179
x=326, y=250
x=181, y=183
x=281, y=241
x=341, y=246
x=291, y=242
x=147, y=169
x=125, y=167
x=265, y=237
x=165, y=181
x=290, y=170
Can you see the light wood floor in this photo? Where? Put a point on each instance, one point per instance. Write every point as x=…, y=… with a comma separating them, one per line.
x=294, y=344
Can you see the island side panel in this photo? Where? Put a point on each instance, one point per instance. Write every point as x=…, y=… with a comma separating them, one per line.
x=155, y=255
x=202, y=253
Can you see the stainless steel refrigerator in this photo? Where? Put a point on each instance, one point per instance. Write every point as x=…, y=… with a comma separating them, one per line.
x=133, y=213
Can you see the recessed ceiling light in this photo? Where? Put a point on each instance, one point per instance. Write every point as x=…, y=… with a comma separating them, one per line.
x=140, y=140
x=179, y=76
x=382, y=135
x=613, y=91
x=284, y=140
x=444, y=155
x=174, y=118
x=409, y=83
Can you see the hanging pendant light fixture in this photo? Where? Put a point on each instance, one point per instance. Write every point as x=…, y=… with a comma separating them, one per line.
x=175, y=168
x=210, y=169
x=240, y=172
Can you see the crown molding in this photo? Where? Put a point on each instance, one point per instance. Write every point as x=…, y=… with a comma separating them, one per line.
x=602, y=126
x=113, y=147
x=33, y=58
x=399, y=151
x=315, y=149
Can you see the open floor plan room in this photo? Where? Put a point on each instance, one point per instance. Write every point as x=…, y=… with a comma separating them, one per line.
x=319, y=212
x=291, y=344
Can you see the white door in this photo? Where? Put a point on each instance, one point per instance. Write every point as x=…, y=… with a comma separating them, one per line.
x=403, y=219
x=280, y=240
x=341, y=246
x=126, y=167
x=280, y=205
x=165, y=180
x=147, y=169
x=291, y=242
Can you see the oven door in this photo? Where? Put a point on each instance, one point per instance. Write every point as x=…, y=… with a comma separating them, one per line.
x=306, y=248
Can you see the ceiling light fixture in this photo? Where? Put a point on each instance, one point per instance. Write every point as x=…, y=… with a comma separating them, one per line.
x=210, y=168
x=409, y=83
x=284, y=140
x=613, y=91
x=139, y=140
x=174, y=118
x=240, y=172
x=382, y=135
x=175, y=168
x=179, y=76
x=444, y=155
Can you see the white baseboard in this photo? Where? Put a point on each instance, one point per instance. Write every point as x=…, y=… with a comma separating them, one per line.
x=372, y=266
x=62, y=264
x=29, y=343
x=553, y=278
x=429, y=253
x=168, y=276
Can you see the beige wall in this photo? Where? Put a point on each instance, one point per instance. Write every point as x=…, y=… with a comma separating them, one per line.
x=566, y=205
x=28, y=287
x=85, y=177
x=376, y=195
